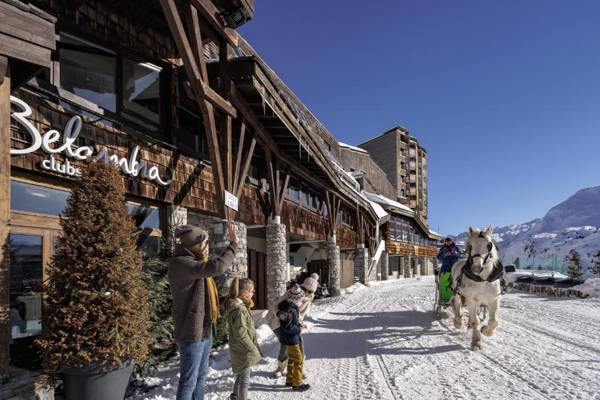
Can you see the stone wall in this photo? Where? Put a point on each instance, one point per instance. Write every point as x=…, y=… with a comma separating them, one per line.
x=384, y=266
x=361, y=265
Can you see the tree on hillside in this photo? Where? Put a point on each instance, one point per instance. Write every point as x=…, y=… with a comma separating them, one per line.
x=574, y=268
x=596, y=264
x=517, y=263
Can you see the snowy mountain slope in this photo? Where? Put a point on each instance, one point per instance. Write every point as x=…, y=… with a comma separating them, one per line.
x=572, y=224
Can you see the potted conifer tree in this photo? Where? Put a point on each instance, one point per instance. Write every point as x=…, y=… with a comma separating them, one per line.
x=95, y=309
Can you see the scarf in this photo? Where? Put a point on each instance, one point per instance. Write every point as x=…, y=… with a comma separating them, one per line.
x=213, y=296
x=248, y=303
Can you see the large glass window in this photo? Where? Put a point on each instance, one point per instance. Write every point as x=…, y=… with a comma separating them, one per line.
x=141, y=91
x=37, y=199
x=25, y=285
x=112, y=81
x=191, y=139
x=144, y=216
x=88, y=71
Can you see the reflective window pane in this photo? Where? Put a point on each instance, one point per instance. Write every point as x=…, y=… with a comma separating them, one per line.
x=25, y=285
x=88, y=71
x=37, y=199
x=144, y=216
x=141, y=91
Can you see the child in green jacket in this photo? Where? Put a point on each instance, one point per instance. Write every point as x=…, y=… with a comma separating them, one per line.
x=243, y=345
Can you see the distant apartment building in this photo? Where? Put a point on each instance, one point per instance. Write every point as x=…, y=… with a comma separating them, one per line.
x=404, y=161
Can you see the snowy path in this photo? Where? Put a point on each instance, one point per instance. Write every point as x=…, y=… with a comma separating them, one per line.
x=383, y=343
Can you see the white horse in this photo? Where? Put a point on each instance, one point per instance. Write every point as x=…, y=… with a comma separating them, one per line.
x=478, y=281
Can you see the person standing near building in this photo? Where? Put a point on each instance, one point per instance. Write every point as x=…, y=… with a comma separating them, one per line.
x=449, y=254
x=308, y=289
x=290, y=336
x=196, y=303
x=244, y=351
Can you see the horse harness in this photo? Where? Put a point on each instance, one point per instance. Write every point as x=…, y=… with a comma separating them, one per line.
x=497, y=272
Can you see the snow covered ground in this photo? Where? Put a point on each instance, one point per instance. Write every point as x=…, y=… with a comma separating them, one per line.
x=383, y=342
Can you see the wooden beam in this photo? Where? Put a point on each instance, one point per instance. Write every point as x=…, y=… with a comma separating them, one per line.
x=246, y=168
x=211, y=13
x=229, y=156
x=215, y=99
x=196, y=36
x=282, y=192
x=5, y=334
x=219, y=101
x=238, y=159
x=3, y=68
x=267, y=141
x=183, y=46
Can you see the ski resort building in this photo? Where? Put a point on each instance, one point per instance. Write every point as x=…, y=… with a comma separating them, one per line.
x=204, y=132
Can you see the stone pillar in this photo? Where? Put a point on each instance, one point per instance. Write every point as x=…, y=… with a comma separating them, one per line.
x=361, y=264
x=422, y=266
x=384, y=264
x=277, y=260
x=406, y=266
x=219, y=242
x=333, y=255
x=4, y=217
x=414, y=266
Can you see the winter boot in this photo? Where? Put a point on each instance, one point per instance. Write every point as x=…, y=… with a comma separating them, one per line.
x=302, y=388
x=281, y=369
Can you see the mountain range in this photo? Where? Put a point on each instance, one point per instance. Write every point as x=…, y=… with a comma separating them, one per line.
x=543, y=243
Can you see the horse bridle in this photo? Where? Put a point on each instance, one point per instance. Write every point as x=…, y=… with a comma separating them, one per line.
x=490, y=247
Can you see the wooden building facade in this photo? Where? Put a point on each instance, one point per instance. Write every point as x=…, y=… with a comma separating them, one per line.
x=193, y=116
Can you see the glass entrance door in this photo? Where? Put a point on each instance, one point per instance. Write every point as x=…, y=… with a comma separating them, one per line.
x=26, y=288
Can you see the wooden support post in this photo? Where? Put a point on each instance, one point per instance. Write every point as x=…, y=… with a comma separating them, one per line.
x=208, y=116
x=238, y=159
x=193, y=23
x=4, y=216
x=246, y=168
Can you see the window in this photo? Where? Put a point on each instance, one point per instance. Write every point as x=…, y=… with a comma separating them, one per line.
x=25, y=285
x=294, y=191
x=118, y=84
x=146, y=218
x=191, y=139
x=141, y=91
x=37, y=199
x=88, y=71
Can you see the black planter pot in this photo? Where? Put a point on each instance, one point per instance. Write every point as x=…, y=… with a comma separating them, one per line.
x=95, y=383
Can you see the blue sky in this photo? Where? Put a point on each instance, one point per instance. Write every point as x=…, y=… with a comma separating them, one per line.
x=505, y=96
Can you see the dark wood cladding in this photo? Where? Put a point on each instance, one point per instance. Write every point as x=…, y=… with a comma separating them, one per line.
x=26, y=36
x=145, y=34
x=192, y=183
x=407, y=249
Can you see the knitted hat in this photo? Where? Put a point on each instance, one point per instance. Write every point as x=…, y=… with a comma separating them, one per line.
x=190, y=235
x=310, y=284
x=315, y=276
x=295, y=294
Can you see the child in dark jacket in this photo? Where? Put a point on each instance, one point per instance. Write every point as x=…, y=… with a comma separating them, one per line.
x=290, y=329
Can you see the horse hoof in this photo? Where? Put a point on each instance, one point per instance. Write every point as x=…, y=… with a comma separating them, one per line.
x=476, y=346
x=487, y=331
x=458, y=324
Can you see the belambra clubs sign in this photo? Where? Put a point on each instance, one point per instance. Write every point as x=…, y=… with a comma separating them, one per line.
x=52, y=143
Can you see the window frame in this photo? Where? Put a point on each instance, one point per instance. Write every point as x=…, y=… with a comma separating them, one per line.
x=118, y=116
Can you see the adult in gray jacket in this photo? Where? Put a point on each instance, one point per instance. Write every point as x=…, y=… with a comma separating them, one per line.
x=196, y=303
